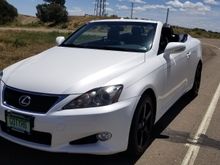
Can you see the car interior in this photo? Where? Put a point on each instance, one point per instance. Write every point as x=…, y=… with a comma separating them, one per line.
x=118, y=36
x=137, y=36
x=168, y=35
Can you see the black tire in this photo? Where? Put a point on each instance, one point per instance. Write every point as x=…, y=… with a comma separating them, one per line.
x=197, y=80
x=142, y=126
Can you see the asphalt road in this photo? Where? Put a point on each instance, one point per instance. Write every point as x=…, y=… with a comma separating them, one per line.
x=179, y=131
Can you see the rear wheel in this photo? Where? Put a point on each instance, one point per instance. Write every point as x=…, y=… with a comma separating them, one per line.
x=142, y=126
x=197, y=80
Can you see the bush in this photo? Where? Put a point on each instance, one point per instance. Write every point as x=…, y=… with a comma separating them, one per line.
x=7, y=12
x=60, y=2
x=52, y=12
x=19, y=43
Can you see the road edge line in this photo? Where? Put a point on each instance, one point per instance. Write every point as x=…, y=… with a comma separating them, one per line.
x=193, y=150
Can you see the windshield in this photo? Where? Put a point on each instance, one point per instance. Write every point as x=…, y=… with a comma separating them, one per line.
x=121, y=36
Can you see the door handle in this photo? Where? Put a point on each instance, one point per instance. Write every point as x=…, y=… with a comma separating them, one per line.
x=188, y=54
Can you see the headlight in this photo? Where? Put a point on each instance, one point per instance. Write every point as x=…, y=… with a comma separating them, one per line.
x=1, y=74
x=96, y=97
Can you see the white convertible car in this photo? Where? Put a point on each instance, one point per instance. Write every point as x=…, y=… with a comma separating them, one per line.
x=101, y=90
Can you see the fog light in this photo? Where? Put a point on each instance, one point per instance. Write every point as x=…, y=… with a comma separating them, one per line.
x=103, y=136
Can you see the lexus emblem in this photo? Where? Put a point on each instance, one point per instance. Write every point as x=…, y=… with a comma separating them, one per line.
x=25, y=101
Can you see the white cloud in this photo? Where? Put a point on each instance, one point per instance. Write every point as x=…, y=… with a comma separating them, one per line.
x=147, y=7
x=137, y=1
x=175, y=3
x=76, y=11
x=139, y=9
x=108, y=9
x=211, y=2
x=198, y=7
x=155, y=7
x=122, y=7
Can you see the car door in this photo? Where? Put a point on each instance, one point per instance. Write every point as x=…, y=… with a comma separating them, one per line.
x=192, y=60
x=175, y=71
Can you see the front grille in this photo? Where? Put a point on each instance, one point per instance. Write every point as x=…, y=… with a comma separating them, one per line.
x=35, y=137
x=40, y=103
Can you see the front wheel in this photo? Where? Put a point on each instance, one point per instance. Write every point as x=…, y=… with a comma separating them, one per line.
x=142, y=126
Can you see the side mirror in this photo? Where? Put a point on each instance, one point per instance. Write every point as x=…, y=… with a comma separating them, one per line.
x=59, y=40
x=174, y=47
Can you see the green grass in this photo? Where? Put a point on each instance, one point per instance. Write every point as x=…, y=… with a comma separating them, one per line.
x=15, y=46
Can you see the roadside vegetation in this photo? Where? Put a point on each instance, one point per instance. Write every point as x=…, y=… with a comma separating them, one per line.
x=52, y=11
x=76, y=21
x=197, y=32
x=15, y=46
x=7, y=12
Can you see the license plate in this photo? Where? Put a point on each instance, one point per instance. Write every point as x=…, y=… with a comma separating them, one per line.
x=18, y=123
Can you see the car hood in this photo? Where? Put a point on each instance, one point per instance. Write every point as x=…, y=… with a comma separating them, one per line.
x=62, y=70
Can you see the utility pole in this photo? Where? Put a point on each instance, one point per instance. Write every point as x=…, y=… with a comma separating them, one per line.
x=104, y=8
x=167, y=18
x=95, y=8
x=100, y=7
x=132, y=9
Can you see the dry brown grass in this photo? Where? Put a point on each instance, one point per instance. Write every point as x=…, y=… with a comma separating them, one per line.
x=15, y=46
x=73, y=22
x=25, y=19
x=76, y=21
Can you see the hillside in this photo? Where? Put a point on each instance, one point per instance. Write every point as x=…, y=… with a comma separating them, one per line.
x=197, y=32
x=25, y=19
x=76, y=21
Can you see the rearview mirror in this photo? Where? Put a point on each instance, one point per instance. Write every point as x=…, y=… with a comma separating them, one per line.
x=59, y=40
x=174, y=47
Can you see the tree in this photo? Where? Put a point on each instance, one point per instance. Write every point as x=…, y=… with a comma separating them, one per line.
x=60, y=2
x=7, y=12
x=52, y=11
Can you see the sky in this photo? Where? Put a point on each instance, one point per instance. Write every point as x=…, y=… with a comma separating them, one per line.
x=187, y=13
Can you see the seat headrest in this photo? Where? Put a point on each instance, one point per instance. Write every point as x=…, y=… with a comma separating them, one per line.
x=137, y=30
x=113, y=34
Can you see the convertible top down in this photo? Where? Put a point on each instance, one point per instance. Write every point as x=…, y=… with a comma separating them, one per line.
x=101, y=90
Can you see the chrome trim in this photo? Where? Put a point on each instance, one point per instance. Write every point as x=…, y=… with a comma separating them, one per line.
x=60, y=98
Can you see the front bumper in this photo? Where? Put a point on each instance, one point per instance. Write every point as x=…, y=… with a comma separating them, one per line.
x=69, y=125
